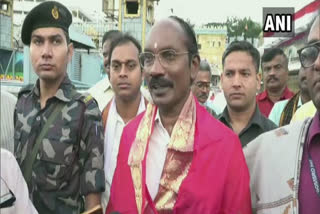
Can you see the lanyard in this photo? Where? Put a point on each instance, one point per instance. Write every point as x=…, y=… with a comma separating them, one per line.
x=314, y=175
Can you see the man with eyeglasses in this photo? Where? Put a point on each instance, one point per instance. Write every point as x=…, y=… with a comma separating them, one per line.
x=284, y=164
x=274, y=65
x=240, y=82
x=175, y=157
x=202, y=84
x=126, y=78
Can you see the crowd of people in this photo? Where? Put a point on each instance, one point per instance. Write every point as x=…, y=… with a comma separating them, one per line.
x=165, y=149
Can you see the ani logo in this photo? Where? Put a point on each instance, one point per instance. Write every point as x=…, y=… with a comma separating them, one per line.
x=278, y=22
x=55, y=12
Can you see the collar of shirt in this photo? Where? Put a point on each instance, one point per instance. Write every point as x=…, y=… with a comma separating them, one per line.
x=287, y=94
x=160, y=127
x=299, y=102
x=255, y=119
x=63, y=93
x=115, y=114
x=314, y=129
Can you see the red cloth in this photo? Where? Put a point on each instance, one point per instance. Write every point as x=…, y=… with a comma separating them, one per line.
x=217, y=182
x=265, y=104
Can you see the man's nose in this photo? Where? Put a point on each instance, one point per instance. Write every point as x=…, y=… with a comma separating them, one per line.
x=46, y=50
x=236, y=81
x=123, y=70
x=156, y=69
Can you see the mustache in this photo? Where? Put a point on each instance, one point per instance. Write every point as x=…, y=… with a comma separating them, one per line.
x=160, y=82
x=272, y=78
x=303, y=79
x=203, y=95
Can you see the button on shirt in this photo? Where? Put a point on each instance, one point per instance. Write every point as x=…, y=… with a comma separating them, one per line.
x=157, y=152
x=265, y=104
x=309, y=201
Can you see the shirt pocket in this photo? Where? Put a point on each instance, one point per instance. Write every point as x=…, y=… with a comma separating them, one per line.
x=55, y=163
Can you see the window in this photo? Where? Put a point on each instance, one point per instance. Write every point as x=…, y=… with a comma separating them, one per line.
x=132, y=7
x=4, y=6
x=150, y=14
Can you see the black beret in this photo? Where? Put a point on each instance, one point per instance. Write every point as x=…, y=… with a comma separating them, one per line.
x=46, y=14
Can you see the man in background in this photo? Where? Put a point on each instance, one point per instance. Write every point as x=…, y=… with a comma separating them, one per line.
x=274, y=64
x=102, y=91
x=125, y=77
x=240, y=82
x=202, y=85
x=283, y=111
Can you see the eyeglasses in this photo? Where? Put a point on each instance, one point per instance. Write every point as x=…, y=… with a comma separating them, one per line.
x=166, y=58
x=116, y=66
x=309, y=54
x=203, y=85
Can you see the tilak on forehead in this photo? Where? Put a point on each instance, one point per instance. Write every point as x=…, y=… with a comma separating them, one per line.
x=155, y=45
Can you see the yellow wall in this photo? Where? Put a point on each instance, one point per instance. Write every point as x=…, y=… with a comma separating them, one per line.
x=212, y=52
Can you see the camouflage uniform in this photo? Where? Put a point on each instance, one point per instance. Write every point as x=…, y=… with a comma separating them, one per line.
x=65, y=169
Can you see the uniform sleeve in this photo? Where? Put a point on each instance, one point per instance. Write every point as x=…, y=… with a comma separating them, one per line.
x=237, y=192
x=91, y=151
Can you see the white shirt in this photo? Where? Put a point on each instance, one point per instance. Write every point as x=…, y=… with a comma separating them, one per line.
x=8, y=102
x=158, y=147
x=12, y=179
x=114, y=128
x=103, y=92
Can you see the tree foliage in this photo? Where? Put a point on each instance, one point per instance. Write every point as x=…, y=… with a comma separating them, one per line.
x=237, y=27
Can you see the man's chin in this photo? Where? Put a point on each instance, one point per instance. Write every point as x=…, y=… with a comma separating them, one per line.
x=237, y=106
x=202, y=101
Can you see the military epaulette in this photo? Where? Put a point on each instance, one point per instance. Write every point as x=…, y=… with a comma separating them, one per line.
x=86, y=98
x=25, y=89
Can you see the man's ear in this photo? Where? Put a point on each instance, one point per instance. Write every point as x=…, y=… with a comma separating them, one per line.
x=70, y=51
x=258, y=82
x=195, y=64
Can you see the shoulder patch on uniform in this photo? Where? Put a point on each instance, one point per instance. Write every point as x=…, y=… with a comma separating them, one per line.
x=86, y=98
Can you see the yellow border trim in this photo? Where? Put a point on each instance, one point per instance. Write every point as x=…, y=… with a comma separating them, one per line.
x=120, y=16
x=144, y=20
x=131, y=15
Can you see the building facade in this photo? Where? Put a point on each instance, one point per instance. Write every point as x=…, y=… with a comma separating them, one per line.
x=6, y=24
x=212, y=42
x=136, y=17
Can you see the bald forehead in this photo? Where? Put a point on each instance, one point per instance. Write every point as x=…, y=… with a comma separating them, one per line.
x=314, y=34
x=169, y=29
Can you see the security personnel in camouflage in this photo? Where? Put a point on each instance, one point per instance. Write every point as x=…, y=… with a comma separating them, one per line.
x=59, y=125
